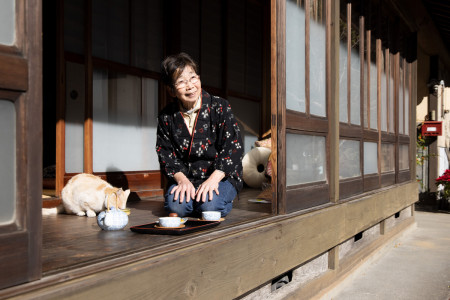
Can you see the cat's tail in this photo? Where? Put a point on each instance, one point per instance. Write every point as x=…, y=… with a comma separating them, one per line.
x=53, y=211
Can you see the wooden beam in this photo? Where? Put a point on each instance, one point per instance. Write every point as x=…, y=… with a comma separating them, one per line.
x=17, y=76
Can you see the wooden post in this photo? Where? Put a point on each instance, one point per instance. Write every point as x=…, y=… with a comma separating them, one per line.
x=332, y=95
x=60, y=101
x=383, y=227
x=88, y=113
x=273, y=106
x=333, y=258
x=279, y=101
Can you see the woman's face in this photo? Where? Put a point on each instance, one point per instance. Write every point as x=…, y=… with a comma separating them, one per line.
x=186, y=91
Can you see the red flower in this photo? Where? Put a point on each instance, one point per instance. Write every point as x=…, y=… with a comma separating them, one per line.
x=445, y=178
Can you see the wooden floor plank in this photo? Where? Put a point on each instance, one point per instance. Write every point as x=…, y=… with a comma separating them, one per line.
x=70, y=241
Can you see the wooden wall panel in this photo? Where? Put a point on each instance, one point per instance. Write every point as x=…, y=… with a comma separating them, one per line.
x=387, y=179
x=350, y=187
x=306, y=197
x=371, y=182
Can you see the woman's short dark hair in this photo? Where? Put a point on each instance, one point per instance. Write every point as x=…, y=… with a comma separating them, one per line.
x=173, y=66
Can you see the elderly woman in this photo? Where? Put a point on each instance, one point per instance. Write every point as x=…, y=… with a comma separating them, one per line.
x=198, y=143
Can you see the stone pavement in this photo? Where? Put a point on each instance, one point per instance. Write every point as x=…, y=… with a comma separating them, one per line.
x=414, y=265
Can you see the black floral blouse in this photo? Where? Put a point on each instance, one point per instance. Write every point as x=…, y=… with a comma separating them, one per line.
x=215, y=145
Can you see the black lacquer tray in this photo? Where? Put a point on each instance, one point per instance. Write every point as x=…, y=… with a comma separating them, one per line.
x=189, y=226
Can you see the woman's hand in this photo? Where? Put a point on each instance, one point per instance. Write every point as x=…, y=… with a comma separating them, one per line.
x=184, y=188
x=209, y=185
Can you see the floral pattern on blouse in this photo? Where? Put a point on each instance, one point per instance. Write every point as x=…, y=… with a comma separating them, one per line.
x=216, y=143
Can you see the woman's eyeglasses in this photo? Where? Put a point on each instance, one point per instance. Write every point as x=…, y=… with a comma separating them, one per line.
x=180, y=84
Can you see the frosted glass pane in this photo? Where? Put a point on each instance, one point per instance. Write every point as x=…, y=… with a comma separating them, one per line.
x=355, y=84
x=373, y=97
x=147, y=34
x=295, y=56
x=349, y=159
x=211, y=43
x=403, y=163
x=343, y=63
x=74, y=26
x=387, y=158
x=7, y=162
x=248, y=122
x=343, y=111
x=110, y=30
x=75, y=95
x=317, y=66
x=7, y=22
x=370, y=158
x=305, y=159
x=124, y=128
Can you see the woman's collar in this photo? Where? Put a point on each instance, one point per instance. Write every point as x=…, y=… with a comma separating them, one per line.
x=195, y=108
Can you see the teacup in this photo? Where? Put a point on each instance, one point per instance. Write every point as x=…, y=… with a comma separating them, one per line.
x=170, y=222
x=211, y=215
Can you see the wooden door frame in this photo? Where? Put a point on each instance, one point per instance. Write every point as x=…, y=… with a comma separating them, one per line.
x=21, y=83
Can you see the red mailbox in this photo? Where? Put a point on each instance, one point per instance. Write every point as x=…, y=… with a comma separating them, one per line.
x=432, y=128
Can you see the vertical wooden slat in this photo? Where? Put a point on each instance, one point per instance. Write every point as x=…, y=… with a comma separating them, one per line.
x=268, y=64
x=396, y=110
x=349, y=58
x=33, y=135
x=273, y=106
x=387, y=69
x=60, y=100
x=395, y=69
x=361, y=89
x=332, y=95
x=307, y=55
x=362, y=77
x=368, y=62
x=88, y=113
x=279, y=114
x=378, y=51
x=403, y=94
x=412, y=120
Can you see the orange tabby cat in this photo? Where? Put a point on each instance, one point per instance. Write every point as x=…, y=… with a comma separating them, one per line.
x=87, y=194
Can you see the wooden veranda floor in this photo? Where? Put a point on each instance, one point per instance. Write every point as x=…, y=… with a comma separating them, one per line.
x=71, y=242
